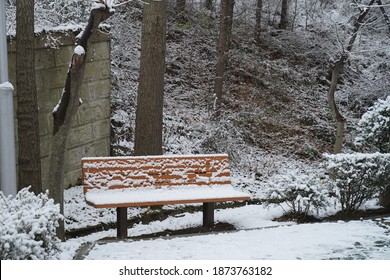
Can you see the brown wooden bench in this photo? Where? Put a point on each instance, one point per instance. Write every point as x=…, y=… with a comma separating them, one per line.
x=121, y=182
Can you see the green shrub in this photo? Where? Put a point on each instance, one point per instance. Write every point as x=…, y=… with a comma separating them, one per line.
x=298, y=193
x=358, y=177
x=28, y=226
x=374, y=126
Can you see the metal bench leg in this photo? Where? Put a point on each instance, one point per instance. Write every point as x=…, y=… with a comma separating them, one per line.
x=121, y=222
x=208, y=214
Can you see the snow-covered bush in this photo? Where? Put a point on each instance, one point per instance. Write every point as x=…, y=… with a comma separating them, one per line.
x=28, y=226
x=358, y=177
x=303, y=193
x=374, y=126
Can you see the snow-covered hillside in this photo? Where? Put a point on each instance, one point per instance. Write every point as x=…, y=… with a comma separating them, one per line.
x=275, y=112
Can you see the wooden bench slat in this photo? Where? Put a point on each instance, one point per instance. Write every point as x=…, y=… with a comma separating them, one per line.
x=155, y=170
x=168, y=202
x=189, y=176
x=139, y=172
x=148, y=164
x=159, y=185
x=113, y=187
x=217, y=157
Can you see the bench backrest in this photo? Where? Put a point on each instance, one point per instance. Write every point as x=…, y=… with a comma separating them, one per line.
x=123, y=172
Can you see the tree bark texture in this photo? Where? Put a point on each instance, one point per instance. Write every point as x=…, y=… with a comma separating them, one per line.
x=336, y=70
x=340, y=120
x=29, y=152
x=222, y=51
x=357, y=24
x=230, y=22
x=66, y=109
x=383, y=11
x=284, y=15
x=259, y=8
x=209, y=4
x=180, y=11
x=149, y=112
x=180, y=6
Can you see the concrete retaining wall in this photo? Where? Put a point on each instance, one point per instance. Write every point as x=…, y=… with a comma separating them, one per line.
x=90, y=135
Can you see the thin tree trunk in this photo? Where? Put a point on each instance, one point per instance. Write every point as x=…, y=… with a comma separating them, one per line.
x=67, y=108
x=180, y=6
x=209, y=4
x=149, y=113
x=383, y=10
x=230, y=22
x=259, y=8
x=358, y=23
x=284, y=15
x=340, y=120
x=180, y=11
x=336, y=70
x=222, y=51
x=29, y=152
x=296, y=14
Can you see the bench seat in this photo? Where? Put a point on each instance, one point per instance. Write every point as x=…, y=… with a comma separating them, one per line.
x=149, y=196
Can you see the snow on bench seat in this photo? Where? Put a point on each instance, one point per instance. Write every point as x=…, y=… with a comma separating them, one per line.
x=134, y=197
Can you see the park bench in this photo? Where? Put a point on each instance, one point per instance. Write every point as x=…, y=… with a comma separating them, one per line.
x=121, y=182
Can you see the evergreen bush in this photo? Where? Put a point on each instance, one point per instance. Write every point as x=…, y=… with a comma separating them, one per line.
x=28, y=226
x=374, y=126
x=300, y=192
x=358, y=177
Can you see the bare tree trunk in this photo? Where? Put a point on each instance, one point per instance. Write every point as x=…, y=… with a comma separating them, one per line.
x=180, y=6
x=29, y=153
x=340, y=120
x=149, y=113
x=230, y=22
x=386, y=17
x=67, y=108
x=284, y=15
x=296, y=14
x=358, y=23
x=180, y=11
x=336, y=69
x=222, y=51
x=259, y=8
x=209, y=4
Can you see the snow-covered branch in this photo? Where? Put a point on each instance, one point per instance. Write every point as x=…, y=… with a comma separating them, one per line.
x=69, y=14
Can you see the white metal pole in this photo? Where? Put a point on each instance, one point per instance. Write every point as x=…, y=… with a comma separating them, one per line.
x=7, y=127
x=3, y=45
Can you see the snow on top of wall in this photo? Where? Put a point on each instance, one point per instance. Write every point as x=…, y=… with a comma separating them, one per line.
x=60, y=28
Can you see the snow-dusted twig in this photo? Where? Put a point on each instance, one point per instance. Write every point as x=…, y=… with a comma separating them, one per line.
x=121, y=4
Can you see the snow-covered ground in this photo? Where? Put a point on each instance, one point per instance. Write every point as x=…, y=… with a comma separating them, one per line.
x=257, y=237
x=339, y=240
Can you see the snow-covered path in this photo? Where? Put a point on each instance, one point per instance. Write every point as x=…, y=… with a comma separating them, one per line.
x=338, y=240
x=258, y=236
